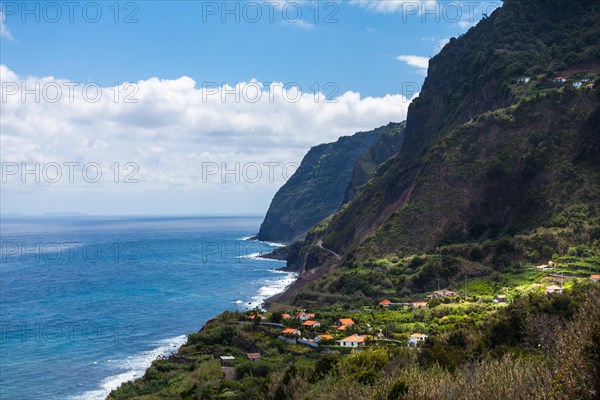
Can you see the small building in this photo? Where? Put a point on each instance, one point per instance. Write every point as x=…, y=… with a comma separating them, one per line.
x=419, y=304
x=501, y=298
x=311, y=324
x=324, y=336
x=343, y=322
x=254, y=356
x=595, y=278
x=385, y=303
x=523, y=80
x=227, y=360
x=554, y=289
x=442, y=293
x=353, y=341
x=559, y=80
x=416, y=338
x=590, y=86
x=577, y=84
x=291, y=332
x=305, y=316
x=543, y=267
x=286, y=316
x=259, y=316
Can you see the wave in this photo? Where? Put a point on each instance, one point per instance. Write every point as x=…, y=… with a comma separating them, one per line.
x=258, y=256
x=271, y=288
x=132, y=368
x=274, y=244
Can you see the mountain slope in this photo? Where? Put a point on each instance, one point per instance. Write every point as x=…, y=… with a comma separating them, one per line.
x=485, y=158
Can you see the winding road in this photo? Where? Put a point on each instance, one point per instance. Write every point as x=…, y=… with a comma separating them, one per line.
x=320, y=244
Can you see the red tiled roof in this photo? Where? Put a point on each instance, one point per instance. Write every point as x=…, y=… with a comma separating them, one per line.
x=385, y=302
x=345, y=321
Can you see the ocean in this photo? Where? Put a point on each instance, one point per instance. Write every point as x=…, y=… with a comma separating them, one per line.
x=88, y=302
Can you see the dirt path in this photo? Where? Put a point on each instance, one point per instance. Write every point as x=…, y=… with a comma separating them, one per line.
x=320, y=244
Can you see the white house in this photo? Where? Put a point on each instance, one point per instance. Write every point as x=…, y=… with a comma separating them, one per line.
x=554, y=289
x=523, y=80
x=353, y=341
x=577, y=85
x=416, y=338
x=560, y=80
x=501, y=298
x=311, y=324
x=305, y=316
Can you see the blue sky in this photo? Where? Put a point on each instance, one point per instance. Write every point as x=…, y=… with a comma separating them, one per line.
x=360, y=53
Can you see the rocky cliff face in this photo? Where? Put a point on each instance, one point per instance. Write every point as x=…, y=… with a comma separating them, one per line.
x=326, y=175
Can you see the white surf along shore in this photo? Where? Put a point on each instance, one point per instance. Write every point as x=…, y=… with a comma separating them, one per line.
x=135, y=366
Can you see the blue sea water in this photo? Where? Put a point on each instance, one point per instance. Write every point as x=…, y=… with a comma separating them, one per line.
x=87, y=302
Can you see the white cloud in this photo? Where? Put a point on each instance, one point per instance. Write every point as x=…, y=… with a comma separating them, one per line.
x=465, y=24
x=393, y=6
x=415, y=61
x=442, y=42
x=175, y=127
x=300, y=23
x=4, y=31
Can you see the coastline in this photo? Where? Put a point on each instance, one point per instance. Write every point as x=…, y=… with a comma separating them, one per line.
x=270, y=289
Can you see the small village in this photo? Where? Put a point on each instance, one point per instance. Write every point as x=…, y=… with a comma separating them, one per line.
x=330, y=334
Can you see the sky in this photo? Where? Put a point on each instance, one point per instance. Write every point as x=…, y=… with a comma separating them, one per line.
x=198, y=107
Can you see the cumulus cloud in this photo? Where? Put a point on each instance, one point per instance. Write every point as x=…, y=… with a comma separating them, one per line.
x=422, y=63
x=172, y=128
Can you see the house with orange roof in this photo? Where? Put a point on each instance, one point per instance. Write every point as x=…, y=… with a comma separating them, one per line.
x=291, y=332
x=305, y=316
x=324, y=336
x=344, y=322
x=595, y=278
x=419, y=304
x=353, y=341
x=286, y=316
x=385, y=303
x=311, y=324
x=261, y=316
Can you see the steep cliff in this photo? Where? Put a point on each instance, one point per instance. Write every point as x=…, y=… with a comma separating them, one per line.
x=484, y=156
x=326, y=175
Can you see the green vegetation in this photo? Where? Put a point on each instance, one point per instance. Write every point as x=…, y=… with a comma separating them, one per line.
x=537, y=346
